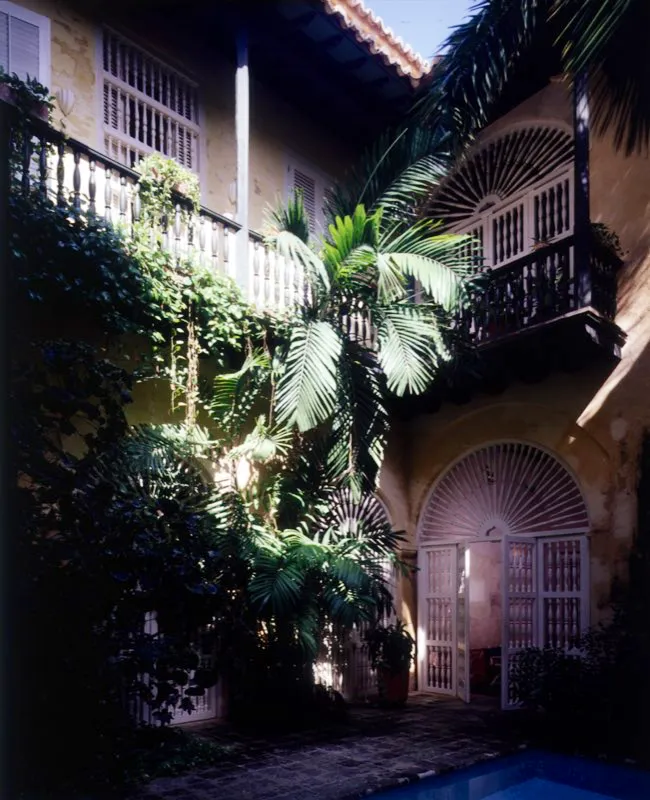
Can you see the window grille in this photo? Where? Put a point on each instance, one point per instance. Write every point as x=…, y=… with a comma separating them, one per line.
x=148, y=107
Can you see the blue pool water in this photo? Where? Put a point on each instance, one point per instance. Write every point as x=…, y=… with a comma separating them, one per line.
x=531, y=776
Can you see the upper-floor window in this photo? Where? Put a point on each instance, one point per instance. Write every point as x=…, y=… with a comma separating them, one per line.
x=512, y=194
x=24, y=43
x=313, y=186
x=148, y=106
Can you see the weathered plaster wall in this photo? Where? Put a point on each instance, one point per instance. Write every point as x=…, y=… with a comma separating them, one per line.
x=592, y=420
x=277, y=129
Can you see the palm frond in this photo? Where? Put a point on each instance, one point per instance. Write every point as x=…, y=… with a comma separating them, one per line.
x=402, y=166
x=346, y=235
x=291, y=217
x=606, y=39
x=438, y=261
x=226, y=385
x=287, y=233
x=307, y=390
x=410, y=347
x=481, y=56
x=360, y=427
x=263, y=443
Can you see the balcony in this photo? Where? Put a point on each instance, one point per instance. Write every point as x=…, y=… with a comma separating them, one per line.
x=69, y=172
x=532, y=301
x=566, y=278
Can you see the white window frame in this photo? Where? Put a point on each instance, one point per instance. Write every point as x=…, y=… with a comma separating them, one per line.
x=526, y=197
x=321, y=183
x=44, y=37
x=197, y=125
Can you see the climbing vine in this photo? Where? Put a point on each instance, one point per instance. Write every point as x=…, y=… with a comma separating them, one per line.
x=162, y=180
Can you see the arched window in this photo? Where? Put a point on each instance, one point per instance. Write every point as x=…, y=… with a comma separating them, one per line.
x=513, y=193
x=508, y=488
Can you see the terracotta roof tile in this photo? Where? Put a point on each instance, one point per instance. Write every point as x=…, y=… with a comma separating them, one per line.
x=370, y=30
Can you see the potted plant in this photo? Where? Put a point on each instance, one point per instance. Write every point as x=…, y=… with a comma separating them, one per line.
x=391, y=652
x=30, y=97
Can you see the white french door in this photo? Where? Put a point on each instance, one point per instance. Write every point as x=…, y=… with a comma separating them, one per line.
x=545, y=598
x=444, y=611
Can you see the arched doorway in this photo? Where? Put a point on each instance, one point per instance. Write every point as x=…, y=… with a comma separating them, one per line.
x=522, y=497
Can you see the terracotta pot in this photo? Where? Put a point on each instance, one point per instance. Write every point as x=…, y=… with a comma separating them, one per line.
x=39, y=110
x=393, y=688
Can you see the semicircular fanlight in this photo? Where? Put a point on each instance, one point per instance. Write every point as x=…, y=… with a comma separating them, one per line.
x=504, y=489
x=499, y=169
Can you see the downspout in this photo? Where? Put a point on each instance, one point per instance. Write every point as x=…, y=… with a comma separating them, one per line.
x=242, y=136
x=581, y=218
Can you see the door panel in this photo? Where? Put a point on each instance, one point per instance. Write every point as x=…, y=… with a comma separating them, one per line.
x=563, y=591
x=546, y=598
x=462, y=622
x=519, y=607
x=437, y=612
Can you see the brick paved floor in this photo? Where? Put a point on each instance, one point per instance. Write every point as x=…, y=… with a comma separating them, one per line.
x=375, y=749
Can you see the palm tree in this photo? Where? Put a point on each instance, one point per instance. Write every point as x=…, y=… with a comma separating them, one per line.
x=504, y=38
x=359, y=336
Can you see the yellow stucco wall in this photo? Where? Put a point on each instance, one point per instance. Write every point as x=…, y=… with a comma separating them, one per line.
x=592, y=420
x=278, y=131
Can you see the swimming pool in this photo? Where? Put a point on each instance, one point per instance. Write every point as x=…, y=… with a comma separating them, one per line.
x=531, y=776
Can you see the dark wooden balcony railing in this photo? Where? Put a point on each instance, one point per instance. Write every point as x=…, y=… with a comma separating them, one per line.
x=540, y=287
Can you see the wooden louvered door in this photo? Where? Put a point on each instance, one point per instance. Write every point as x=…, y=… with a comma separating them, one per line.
x=438, y=614
x=444, y=607
x=462, y=644
x=519, y=607
x=545, y=598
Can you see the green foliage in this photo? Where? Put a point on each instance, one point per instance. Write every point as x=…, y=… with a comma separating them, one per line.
x=120, y=521
x=165, y=752
x=326, y=386
x=505, y=40
x=27, y=95
x=599, y=695
x=391, y=647
x=163, y=182
x=606, y=239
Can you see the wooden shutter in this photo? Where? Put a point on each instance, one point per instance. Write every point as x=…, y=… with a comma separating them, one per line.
x=148, y=106
x=306, y=185
x=311, y=183
x=24, y=42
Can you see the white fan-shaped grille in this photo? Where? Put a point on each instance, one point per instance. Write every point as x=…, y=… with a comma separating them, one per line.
x=499, y=169
x=504, y=489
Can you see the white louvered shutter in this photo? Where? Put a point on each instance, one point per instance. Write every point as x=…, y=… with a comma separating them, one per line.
x=306, y=185
x=24, y=36
x=312, y=186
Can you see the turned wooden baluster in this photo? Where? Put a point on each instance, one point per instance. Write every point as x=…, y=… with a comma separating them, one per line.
x=177, y=233
x=60, y=174
x=202, y=239
x=136, y=208
x=27, y=158
x=108, y=196
x=42, y=167
x=92, y=187
x=214, y=247
x=76, y=182
x=124, y=200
